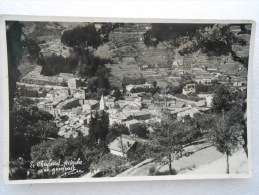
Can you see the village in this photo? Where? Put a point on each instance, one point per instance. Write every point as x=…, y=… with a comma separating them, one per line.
x=73, y=112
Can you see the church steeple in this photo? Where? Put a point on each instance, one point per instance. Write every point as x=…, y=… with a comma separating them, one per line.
x=102, y=103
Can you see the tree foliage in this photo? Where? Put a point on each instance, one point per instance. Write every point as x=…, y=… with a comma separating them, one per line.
x=99, y=125
x=225, y=135
x=117, y=130
x=32, y=48
x=55, y=64
x=88, y=36
x=81, y=147
x=222, y=99
x=139, y=130
x=29, y=126
x=14, y=52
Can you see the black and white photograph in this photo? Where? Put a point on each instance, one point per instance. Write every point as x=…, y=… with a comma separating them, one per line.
x=122, y=100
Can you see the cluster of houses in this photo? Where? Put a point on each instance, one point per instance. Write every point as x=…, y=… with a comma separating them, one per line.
x=72, y=111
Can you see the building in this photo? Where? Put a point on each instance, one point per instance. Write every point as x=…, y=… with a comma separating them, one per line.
x=131, y=123
x=50, y=94
x=240, y=84
x=117, y=118
x=146, y=85
x=190, y=112
x=68, y=104
x=121, y=146
x=189, y=89
x=201, y=103
x=204, y=78
x=209, y=100
x=89, y=105
x=102, y=104
x=73, y=83
x=79, y=94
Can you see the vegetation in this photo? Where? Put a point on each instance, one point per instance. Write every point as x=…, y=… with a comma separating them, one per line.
x=109, y=166
x=213, y=40
x=14, y=52
x=32, y=48
x=63, y=149
x=88, y=36
x=99, y=126
x=24, y=91
x=139, y=130
x=133, y=81
x=54, y=64
x=225, y=135
x=117, y=130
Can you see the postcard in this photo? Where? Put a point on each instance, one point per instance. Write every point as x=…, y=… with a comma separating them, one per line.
x=120, y=99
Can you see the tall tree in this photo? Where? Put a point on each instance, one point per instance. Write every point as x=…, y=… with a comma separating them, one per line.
x=225, y=136
x=14, y=52
x=168, y=143
x=222, y=99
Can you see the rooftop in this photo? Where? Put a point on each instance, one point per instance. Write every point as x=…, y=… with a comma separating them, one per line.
x=121, y=144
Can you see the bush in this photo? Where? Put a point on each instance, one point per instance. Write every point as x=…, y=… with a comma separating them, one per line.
x=152, y=170
x=167, y=172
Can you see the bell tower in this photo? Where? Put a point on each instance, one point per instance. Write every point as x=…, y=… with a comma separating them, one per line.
x=102, y=103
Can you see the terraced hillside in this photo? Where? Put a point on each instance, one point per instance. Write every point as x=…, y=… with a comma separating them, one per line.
x=128, y=52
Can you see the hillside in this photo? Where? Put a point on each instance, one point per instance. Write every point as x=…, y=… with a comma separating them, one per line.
x=128, y=52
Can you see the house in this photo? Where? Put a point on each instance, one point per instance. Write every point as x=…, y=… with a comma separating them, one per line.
x=79, y=94
x=201, y=103
x=188, y=89
x=174, y=104
x=141, y=115
x=131, y=123
x=48, y=107
x=190, y=112
x=50, y=94
x=121, y=146
x=209, y=100
x=174, y=112
x=61, y=93
x=73, y=83
x=240, y=84
x=68, y=104
x=146, y=85
x=117, y=118
x=205, y=78
x=110, y=102
x=90, y=105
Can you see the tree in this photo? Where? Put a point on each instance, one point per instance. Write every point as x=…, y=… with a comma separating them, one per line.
x=117, y=94
x=116, y=130
x=81, y=147
x=32, y=47
x=98, y=127
x=154, y=83
x=225, y=135
x=139, y=130
x=222, y=99
x=14, y=52
x=109, y=165
x=88, y=36
x=166, y=139
x=29, y=126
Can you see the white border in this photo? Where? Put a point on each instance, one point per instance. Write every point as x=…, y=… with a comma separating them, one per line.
x=113, y=179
